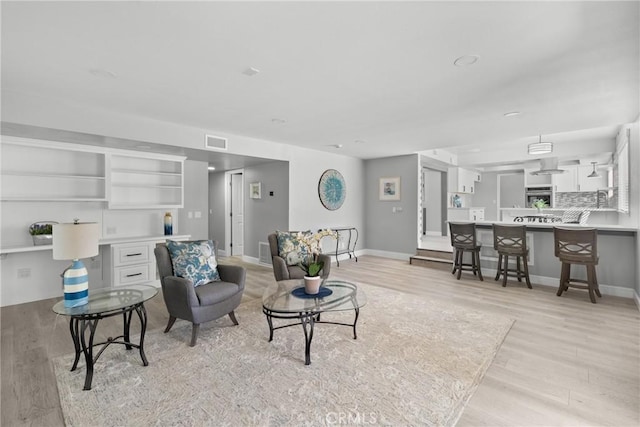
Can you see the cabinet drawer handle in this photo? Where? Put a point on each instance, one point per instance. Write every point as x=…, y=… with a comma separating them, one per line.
x=133, y=275
x=138, y=254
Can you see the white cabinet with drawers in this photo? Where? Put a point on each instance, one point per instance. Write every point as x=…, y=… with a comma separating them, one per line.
x=133, y=262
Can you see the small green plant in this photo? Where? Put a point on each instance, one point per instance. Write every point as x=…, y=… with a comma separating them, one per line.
x=539, y=203
x=38, y=229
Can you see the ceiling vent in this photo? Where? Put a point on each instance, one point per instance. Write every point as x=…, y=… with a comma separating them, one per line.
x=213, y=142
x=548, y=166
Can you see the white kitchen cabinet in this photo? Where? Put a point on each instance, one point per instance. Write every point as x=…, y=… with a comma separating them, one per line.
x=51, y=171
x=567, y=181
x=476, y=214
x=536, y=180
x=465, y=214
x=592, y=184
x=462, y=180
x=145, y=181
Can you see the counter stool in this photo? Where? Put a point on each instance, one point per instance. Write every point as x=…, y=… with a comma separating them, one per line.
x=463, y=239
x=511, y=240
x=577, y=246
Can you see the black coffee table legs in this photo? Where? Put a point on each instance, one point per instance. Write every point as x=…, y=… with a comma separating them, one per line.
x=78, y=326
x=308, y=321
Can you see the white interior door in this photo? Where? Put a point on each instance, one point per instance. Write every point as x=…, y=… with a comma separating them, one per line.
x=237, y=214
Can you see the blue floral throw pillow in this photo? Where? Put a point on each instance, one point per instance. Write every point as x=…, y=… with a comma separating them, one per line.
x=290, y=248
x=195, y=261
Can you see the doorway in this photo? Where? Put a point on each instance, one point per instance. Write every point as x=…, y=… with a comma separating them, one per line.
x=434, y=202
x=234, y=227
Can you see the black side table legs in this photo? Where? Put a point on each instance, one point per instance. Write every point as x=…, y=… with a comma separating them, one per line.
x=78, y=326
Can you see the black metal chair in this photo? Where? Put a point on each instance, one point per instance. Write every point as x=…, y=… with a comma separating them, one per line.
x=511, y=240
x=463, y=239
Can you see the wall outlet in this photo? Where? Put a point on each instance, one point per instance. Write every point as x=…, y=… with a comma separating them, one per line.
x=198, y=214
x=190, y=215
x=23, y=273
x=94, y=264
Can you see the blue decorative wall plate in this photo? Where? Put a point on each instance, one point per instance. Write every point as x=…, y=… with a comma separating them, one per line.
x=332, y=189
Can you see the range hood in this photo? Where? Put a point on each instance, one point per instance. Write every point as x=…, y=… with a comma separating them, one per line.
x=548, y=166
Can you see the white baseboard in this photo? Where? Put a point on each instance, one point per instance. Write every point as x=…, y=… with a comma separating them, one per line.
x=386, y=254
x=636, y=298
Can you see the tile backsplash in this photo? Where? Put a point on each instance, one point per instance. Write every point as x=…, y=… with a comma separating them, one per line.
x=587, y=199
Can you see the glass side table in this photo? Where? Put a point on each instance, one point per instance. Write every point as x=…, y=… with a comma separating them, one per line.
x=106, y=303
x=280, y=302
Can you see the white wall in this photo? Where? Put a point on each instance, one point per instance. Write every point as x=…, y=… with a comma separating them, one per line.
x=306, y=166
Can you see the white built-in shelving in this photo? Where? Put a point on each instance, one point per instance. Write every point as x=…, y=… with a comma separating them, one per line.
x=138, y=182
x=51, y=171
x=38, y=170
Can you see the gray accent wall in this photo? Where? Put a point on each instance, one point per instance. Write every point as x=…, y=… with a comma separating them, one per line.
x=216, y=208
x=196, y=181
x=486, y=195
x=385, y=230
x=269, y=213
x=511, y=188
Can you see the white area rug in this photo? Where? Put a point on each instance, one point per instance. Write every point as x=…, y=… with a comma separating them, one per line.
x=415, y=362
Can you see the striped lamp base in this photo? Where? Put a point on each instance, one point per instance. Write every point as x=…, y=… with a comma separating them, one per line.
x=75, y=282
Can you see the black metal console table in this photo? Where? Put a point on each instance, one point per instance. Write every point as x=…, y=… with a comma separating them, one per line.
x=348, y=235
x=106, y=303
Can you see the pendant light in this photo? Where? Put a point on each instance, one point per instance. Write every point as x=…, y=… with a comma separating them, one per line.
x=595, y=173
x=540, y=147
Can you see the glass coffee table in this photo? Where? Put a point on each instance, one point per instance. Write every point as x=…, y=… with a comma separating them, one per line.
x=106, y=303
x=286, y=300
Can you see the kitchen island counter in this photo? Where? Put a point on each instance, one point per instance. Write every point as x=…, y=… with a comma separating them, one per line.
x=616, y=249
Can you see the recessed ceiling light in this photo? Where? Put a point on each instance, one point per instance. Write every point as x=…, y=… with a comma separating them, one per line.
x=465, y=60
x=250, y=71
x=278, y=121
x=512, y=113
x=99, y=72
x=338, y=145
x=211, y=168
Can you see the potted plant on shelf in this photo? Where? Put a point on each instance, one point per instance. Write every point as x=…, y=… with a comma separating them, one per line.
x=42, y=232
x=539, y=204
x=311, y=264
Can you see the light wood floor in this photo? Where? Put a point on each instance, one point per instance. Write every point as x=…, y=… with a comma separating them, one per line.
x=565, y=361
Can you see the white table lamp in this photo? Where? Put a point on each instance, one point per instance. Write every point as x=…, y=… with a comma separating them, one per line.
x=72, y=242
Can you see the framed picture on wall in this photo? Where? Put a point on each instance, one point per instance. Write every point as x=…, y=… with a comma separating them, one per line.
x=390, y=188
x=255, y=190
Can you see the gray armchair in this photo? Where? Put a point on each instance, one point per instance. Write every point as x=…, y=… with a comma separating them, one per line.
x=203, y=303
x=282, y=271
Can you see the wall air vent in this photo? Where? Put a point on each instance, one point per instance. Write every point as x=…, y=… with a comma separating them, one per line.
x=264, y=253
x=213, y=142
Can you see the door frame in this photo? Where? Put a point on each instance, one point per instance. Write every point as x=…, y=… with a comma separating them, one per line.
x=227, y=207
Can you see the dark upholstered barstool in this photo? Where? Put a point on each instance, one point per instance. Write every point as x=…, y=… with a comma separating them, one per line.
x=577, y=246
x=511, y=240
x=463, y=239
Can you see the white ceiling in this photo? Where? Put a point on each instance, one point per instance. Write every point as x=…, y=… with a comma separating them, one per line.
x=340, y=72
